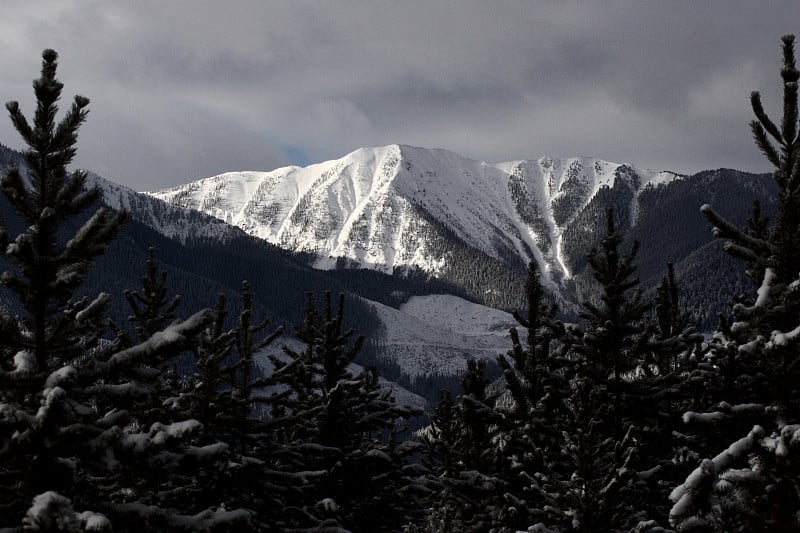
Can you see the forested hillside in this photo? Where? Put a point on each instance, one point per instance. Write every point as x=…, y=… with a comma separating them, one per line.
x=158, y=418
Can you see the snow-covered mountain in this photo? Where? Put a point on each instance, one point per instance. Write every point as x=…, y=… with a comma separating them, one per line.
x=475, y=224
x=398, y=206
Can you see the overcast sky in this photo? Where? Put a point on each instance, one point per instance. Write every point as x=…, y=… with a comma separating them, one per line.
x=187, y=89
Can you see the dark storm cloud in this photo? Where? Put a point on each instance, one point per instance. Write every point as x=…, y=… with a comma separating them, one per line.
x=184, y=89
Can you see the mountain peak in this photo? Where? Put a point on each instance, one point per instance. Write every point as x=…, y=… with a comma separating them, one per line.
x=395, y=206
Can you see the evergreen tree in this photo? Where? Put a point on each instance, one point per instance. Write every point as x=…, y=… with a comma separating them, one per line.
x=50, y=272
x=603, y=442
x=68, y=403
x=612, y=341
x=671, y=323
x=256, y=476
x=751, y=484
x=152, y=309
x=222, y=395
x=212, y=351
x=339, y=424
x=441, y=440
x=536, y=375
x=245, y=378
x=658, y=397
x=40, y=350
x=758, y=228
x=463, y=460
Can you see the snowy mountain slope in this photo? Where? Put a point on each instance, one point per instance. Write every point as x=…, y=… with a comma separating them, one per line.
x=182, y=225
x=436, y=210
x=172, y=221
x=394, y=206
x=169, y=220
x=436, y=334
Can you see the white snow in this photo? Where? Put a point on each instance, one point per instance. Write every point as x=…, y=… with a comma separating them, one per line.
x=160, y=434
x=25, y=361
x=328, y=504
x=782, y=339
x=97, y=304
x=438, y=333
x=50, y=511
x=455, y=314
x=163, y=433
x=366, y=205
x=94, y=522
x=173, y=335
x=170, y=220
x=62, y=375
x=428, y=335
x=764, y=296
x=683, y=495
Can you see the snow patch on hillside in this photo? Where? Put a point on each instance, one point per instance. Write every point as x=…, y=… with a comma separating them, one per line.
x=437, y=334
x=457, y=315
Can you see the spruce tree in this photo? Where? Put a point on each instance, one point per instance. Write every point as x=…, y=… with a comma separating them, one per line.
x=611, y=343
x=152, y=310
x=157, y=455
x=536, y=376
x=657, y=396
x=245, y=404
x=750, y=480
x=222, y=395
x=42, y=349
x=673, y=327
x=69, y=400
x=48, y=196
x=465, y=468
x=336, y=422
x=610, y=347
x=257, y=476
x=441, y=440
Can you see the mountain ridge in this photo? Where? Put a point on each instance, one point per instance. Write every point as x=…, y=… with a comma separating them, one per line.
x=213, y=256
x=364, y=207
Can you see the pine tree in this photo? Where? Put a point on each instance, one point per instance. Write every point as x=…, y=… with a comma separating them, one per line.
x=612, y=341
x=672, y=326
x=339, y=424
x=464, y=467
x=245, y=403
x=657, y=397
x=69, y=400
x=753, y=358
x=536, y=375
x=49, y=272
x=158, y=455
x=212, y=351
x=608, y=350
x=221, y=396
x=152, y=309
x=256, y=476
x=758, y=228
x=40, y=350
